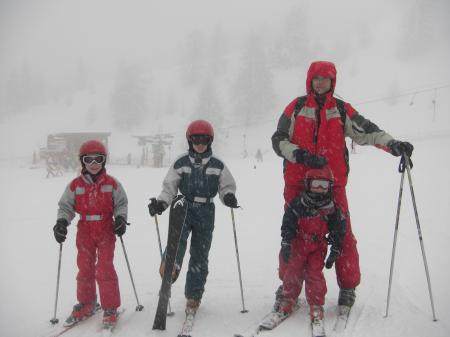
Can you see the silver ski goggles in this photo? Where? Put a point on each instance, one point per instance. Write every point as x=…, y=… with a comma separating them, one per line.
x=90, y=159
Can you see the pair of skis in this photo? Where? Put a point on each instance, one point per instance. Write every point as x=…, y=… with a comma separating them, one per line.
x=106, y=329
x=274, y=319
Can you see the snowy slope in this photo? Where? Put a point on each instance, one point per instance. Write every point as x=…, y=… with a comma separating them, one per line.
x=28, y=252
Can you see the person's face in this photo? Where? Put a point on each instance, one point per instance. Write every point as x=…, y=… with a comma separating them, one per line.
x=200, y=143
x=93, y=163
x=199, y=148
x=321, y=85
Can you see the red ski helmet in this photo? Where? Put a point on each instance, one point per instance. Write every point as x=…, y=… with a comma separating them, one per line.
x=200, y=127
x=92, y=147
x=322, y=179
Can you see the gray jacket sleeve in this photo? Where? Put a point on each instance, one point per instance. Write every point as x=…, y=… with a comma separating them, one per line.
x=170, y=184
x=227, y=184
x=364, y=132
x=120, y=201
x=66, y=205
x=281, y=142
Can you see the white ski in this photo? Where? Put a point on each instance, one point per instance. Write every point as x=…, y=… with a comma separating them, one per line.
x=342, y=318
x=268, y=322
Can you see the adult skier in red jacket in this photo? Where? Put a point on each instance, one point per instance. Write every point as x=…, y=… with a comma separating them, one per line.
x=311, y=134
x=98, y=198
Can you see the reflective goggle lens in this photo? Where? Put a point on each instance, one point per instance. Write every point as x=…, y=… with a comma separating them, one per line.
x=324, y=184
x=200, y=139
x=98, y=158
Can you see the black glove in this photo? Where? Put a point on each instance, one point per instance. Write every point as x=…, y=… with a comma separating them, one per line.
x=120, y=225
x=399, y=148
x=60, y=230
x=308, y=159
x=156, y=206
x=334, y=253
x=230, y=200
x=285, y=251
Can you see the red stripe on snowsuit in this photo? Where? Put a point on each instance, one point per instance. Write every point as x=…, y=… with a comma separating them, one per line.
x=96, y=241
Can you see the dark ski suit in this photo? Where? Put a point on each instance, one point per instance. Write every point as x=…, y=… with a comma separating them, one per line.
x=199, y=177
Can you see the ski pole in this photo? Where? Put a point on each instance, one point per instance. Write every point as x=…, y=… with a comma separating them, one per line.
x=391, y=272
x=139, y=307
x=170, y=312
x=238, y=263
x=54, y=320
x=419, y=232
x=406, y=163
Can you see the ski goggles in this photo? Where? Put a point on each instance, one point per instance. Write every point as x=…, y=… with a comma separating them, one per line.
x=319, y=184
x=200, y=139
x=90, y=159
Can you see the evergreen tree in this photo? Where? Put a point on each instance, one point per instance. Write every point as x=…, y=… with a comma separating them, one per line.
x=216, y=53
x=129, y=98
x=208, y=106
x=292, y=47
x=253, y=94
x=193, y=59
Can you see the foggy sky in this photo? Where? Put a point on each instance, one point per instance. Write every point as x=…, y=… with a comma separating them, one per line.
x=53, y=34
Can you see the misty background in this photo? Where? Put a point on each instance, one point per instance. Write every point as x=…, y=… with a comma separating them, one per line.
x=144, y=67
x=139, y=66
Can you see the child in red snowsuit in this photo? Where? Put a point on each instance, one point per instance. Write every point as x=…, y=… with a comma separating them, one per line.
x=306, y=222
x=97, y=198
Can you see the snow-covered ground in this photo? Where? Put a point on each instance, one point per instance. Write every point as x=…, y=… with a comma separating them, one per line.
x=29, y=254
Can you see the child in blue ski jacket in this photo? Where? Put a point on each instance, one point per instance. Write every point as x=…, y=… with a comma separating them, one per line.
x=199, y=176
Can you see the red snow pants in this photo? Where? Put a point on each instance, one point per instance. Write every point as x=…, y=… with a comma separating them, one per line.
x=347, y=264
x=96, y=244
x=305, y=264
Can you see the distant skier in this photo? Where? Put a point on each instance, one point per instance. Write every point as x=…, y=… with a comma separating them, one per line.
x=311, y=134
x=259, y=156
x=199, y=176
x=102, y=204
x=307, y=219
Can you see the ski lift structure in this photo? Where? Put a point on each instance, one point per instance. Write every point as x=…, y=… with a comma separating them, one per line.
x=63, y=147
x=154, y=149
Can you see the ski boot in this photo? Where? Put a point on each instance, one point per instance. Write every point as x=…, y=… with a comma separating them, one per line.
x=81, y=311
x=346, y=300
x=192, y=306
x=109, y=318
x=191, y=309
x=278, y=298
x=317, y=323
x=286, y=306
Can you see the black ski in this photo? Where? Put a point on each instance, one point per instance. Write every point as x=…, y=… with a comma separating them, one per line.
x=177, y=215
